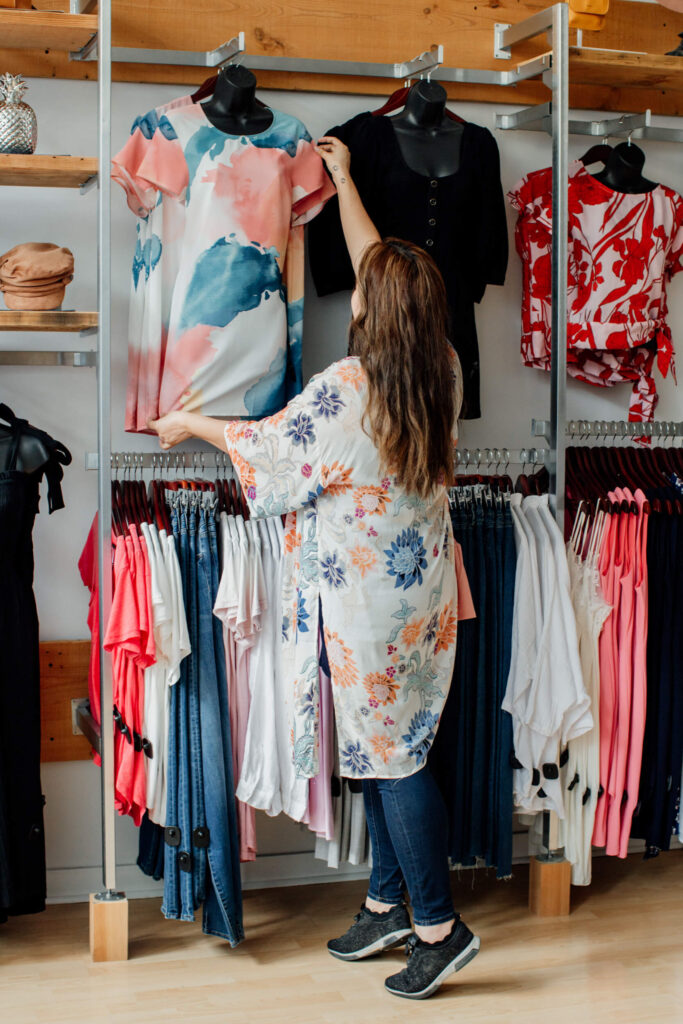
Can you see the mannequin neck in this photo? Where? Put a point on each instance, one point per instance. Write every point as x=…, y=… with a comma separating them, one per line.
x=429, y=140
x=233, y=107
x=425, y=106
x=623, y=170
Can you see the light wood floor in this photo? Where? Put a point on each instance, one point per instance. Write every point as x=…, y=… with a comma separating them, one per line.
x=617, y=958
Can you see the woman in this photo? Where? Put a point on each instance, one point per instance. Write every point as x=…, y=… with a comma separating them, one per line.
x=360, y=462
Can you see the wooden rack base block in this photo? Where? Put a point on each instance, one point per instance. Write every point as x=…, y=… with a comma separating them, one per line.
x=549, y=887
x=108, y=929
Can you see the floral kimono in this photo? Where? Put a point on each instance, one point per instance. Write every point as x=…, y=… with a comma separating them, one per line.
x=377, y=561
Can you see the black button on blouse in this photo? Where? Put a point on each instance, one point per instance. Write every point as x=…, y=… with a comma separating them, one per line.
x=470, y=246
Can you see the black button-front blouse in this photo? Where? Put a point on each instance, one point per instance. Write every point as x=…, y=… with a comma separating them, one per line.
x=458, y=219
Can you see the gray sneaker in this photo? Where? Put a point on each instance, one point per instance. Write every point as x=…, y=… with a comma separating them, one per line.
x=371, y=933
x=430, y=963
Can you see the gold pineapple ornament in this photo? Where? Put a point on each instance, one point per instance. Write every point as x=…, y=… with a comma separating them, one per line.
x=18, y=125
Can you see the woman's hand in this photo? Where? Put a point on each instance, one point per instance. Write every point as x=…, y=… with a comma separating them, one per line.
x=172, y=429
x=359, y=231
x=336, y=156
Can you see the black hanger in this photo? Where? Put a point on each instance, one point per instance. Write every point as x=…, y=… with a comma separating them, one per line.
x=599, y=153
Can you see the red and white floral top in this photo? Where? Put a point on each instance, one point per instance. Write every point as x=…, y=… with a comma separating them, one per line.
x=622, y=251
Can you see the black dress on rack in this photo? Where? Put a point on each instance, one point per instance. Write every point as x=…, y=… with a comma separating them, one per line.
x=459, y=219
x=26, y=454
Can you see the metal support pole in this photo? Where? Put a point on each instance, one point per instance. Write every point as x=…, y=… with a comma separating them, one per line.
x=558, y=358
x=104, y=445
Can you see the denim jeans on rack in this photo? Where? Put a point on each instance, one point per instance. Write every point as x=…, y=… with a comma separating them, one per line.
x=223, y=902
x=471, y=754
x=184, y=811
x=195, y=614
x=486, y=645
x=170, y=906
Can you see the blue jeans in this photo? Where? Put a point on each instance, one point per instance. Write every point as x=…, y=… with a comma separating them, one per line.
x=223, y=900
x=408, y=827
x=182, y=813
x=170, y=905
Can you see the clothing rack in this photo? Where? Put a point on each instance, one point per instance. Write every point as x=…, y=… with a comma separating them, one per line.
x=165, y=462
x=549, y=889
x=494, y=458
x=621, y=430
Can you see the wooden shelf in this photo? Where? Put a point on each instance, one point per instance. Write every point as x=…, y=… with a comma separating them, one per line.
x=45, y=171
x=45, y=30
x=625, y=70
x=46, y=320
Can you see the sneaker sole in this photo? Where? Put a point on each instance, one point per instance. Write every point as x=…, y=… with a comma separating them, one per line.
x=462, y=960
x=379, y=946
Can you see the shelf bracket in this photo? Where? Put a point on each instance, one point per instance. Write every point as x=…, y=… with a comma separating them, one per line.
x=23, y=357
x=499, y=30
x=83, y=723
x=505, y=35
x=540, y=428
x=421, y=65
x=187, y=58
x=88, y=185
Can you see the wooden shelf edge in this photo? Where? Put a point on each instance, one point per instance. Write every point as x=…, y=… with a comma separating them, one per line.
x=48, y=30
x=625, y=70
x=47, y=320
x=45, y=170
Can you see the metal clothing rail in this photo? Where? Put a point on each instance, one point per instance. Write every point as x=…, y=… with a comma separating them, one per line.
x=200, y=460
x=490, y=458
x=138, y=55
x=616, y=429
x=233, y=52
x=630, y=126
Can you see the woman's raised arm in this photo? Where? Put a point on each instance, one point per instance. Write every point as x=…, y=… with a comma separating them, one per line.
x=359, y=231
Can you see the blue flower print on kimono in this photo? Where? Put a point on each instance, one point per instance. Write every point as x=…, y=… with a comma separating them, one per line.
x=406, y=559
x=377, y=560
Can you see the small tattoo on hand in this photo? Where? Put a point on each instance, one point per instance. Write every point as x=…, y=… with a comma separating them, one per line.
x=335, y=167
x=343, y=181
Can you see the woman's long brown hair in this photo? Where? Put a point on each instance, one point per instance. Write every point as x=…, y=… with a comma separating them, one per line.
x=400, y=337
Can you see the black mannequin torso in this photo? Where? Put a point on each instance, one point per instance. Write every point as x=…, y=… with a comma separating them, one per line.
x=233, y=108
x=31, y=453
x=623, y=170
x=429, y=140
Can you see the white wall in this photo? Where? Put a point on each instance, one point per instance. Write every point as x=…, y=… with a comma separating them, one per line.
x=62, y=401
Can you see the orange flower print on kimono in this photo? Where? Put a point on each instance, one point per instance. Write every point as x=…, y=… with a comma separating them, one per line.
x=376, y=560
